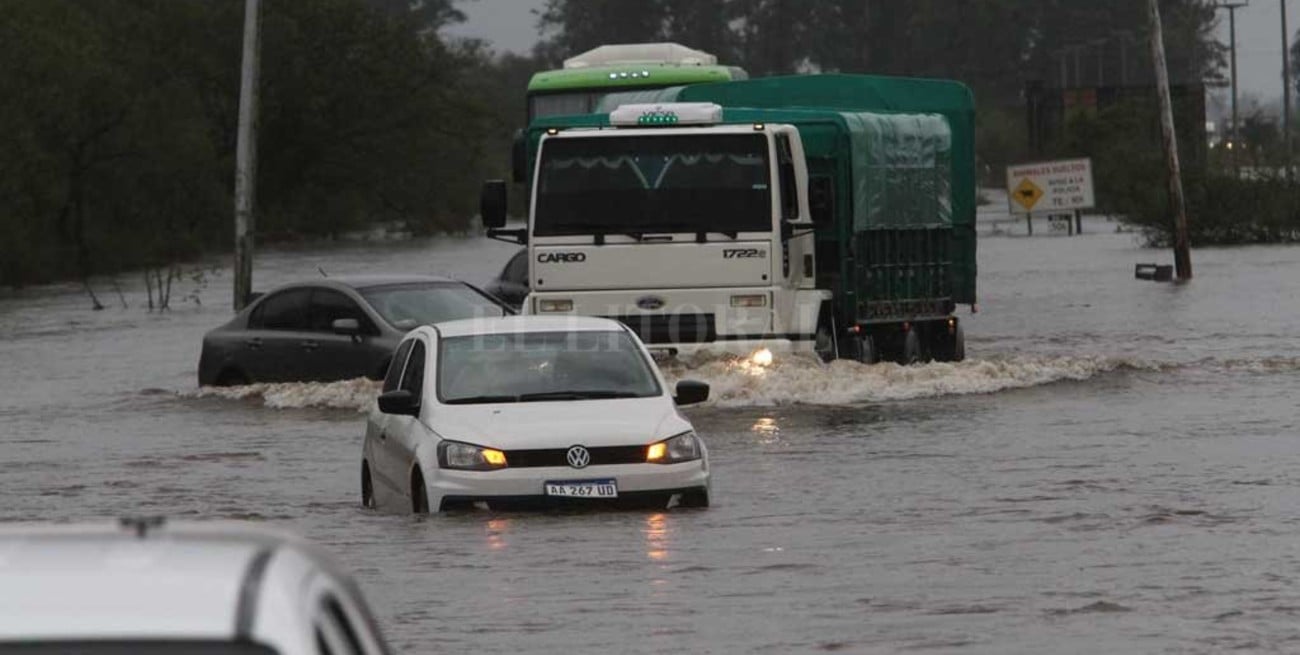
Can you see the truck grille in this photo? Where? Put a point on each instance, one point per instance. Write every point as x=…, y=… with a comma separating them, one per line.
x=671, y=328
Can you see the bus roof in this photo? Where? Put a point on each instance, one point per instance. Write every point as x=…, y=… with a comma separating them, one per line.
x=624, y=76
x=635, y=54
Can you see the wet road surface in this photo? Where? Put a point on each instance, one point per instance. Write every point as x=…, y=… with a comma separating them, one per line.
x=1114, y=470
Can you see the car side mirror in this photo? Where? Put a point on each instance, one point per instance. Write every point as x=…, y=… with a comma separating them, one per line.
x=691, y=392
x=349, y=326
x=821, y=200
x=399, y=401
x=492, y=203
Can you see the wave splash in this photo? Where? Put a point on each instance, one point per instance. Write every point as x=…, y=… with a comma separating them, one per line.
x=740, y=382
x=737, y=382
x=356, y=394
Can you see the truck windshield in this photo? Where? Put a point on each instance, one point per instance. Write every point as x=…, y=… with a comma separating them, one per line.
x=638, y=184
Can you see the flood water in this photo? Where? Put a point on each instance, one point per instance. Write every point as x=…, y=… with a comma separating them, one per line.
x=1115, y=469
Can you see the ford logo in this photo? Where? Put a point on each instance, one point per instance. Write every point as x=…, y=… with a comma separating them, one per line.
x=650, y=302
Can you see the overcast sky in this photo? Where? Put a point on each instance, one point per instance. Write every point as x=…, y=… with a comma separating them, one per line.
x=510, y=25
x=1259, y=45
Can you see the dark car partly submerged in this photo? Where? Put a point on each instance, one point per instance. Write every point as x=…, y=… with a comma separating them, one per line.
x=335, y=328
x=511, y=285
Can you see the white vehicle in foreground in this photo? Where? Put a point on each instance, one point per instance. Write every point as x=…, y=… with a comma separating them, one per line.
x=145, y=587
x=530, y=410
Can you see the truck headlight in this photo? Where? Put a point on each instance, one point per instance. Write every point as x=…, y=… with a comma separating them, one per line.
x=468, y=457
x=552, y=305
x=755, y=300
x=681, y=448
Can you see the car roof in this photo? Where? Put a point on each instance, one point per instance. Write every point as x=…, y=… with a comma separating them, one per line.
x=511, y=324
x=134, y=579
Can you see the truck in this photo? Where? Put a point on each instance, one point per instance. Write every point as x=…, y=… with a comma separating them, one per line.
x=831, y=215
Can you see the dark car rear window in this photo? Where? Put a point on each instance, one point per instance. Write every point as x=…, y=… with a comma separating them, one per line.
x=407, y=306
x=285, y=310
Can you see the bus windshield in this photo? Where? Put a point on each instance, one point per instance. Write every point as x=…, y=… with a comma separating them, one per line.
x=562, y=104
x=655, y=184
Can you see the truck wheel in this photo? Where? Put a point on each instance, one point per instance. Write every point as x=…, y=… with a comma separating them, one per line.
x=950, y=347
x=867, y=353
x=824, y=343
x=911, y=352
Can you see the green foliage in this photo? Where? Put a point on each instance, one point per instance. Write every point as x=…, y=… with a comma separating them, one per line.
x=1258, y=206
x=999, y=139
x=1127, y=160
x=120, y=122
x=1226, y=210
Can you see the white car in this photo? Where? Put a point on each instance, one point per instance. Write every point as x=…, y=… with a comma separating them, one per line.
x=529, y=410
x=146, y=587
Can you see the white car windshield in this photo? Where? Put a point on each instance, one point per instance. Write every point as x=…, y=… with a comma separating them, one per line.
x=541, y=366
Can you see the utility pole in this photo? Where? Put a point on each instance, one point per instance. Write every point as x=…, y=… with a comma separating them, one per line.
x=1232, y=48
x=1182, y=246
x=246, y=155
x=1286, y=90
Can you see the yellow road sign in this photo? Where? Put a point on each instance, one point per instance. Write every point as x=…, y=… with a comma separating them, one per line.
x=1027, y=194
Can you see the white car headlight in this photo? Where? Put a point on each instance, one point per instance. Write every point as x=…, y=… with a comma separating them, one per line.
x=468, y=457
x=681, y=448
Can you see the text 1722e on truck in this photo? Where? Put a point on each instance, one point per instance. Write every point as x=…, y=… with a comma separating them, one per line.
x=826, y=214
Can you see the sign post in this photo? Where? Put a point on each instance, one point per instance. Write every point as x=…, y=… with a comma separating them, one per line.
x=1052, y=187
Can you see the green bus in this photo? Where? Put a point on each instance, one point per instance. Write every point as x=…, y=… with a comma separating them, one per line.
x=586, y=79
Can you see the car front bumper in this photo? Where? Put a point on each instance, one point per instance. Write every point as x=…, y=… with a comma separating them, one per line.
x=634, y=482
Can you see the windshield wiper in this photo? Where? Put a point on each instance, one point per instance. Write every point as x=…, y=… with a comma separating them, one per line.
x=577, y=395
x=481, y=400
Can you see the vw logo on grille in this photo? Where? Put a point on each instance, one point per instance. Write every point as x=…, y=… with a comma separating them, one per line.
x=650, y=302
x=578, y=457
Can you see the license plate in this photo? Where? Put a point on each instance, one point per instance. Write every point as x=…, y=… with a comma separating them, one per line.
x=582, y=488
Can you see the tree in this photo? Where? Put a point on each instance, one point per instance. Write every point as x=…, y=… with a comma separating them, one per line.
x=426, y=15
x=120, y=127
x=570, y=27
